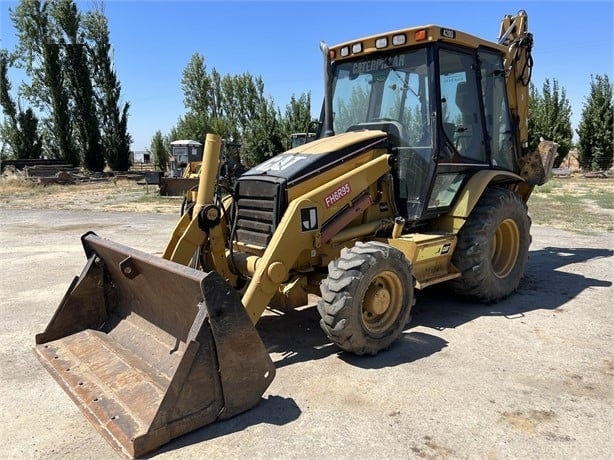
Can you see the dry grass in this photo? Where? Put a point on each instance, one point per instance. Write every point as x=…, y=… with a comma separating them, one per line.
x=575, y=203
x=118, y=195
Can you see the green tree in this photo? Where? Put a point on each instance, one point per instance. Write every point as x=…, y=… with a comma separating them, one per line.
x=113, y=114
x=233, y=106
x=243, y=99
x=263, y=137
x=68, y=59
x=204, y=99
x=535, y=115
x=78, y=71
x=8, y=105
x=60, y=121
x=31, y=141
x=550, y=117
x=596, y=128
x=196, y=86
x=159, y=151
x=297, y=116
x=40, y=55
x=191, y=126
x=19, y=129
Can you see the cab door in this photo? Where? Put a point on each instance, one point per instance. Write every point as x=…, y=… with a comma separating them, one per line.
x=462, y=138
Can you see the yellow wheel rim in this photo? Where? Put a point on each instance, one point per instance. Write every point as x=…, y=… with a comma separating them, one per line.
x=382, y=302
x=505, y=248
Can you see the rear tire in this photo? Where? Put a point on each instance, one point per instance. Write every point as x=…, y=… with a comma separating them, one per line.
x=493, y=247
x=366, y=298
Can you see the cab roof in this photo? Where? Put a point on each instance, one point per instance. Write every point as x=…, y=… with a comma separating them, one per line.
x=408, y=38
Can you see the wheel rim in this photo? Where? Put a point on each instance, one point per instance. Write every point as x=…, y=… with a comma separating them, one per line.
x=382, y=302
x=505, y=248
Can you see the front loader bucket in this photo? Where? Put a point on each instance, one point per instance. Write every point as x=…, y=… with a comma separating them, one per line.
x=150, y=349
x=176, y=186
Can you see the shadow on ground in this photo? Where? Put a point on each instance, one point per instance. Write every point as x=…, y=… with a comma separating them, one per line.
x=296, y=336
x=274, y=410
x=544, y=287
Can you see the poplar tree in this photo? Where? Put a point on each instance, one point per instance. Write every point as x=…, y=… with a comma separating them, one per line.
x=40, y=55
x=68, y=59
x=20, y=128
x=159, y=151
x=550, y=117
x=112, y=112
x=78, y=70
x=596, y=128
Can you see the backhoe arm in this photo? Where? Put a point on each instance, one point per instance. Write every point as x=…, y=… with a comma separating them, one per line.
x=518, y=65
x=535, y=166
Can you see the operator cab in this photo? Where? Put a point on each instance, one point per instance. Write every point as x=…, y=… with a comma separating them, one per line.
x=444, y=108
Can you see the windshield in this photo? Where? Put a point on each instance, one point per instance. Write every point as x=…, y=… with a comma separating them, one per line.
x=391, y=87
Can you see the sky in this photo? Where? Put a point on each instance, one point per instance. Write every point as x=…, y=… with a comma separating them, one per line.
x=154, y=40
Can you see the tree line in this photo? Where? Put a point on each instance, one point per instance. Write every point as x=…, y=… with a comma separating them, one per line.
x=236, y=108
x=550, y=118
x=71, y=108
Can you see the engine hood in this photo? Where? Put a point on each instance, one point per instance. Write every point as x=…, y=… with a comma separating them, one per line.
x=317, y=156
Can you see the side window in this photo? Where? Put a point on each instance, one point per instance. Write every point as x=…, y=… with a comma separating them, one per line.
x=498, y=123
x=460, y=104
x=406, y=99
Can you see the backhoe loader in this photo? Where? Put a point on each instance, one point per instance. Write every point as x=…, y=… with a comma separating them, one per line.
x=419, y=175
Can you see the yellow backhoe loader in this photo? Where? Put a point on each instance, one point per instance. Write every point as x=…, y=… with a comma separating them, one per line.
x=419, y=174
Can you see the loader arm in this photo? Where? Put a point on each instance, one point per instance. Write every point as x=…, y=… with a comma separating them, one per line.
x=188, y=235
x=290, y=238
x=191, y=232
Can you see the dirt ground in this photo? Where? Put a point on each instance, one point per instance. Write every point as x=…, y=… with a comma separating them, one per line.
x=529, y=377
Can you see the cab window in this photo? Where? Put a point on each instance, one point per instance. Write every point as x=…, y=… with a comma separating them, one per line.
x=460, y=104
x=498, y=123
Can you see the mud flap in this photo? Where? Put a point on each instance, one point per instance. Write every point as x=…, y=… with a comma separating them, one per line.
x=150, y=349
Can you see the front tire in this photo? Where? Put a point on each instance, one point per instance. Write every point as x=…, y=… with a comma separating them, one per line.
x=366, y=298
x=493, y=247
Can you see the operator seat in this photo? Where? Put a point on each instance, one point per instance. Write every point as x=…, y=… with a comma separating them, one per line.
x=468, y=138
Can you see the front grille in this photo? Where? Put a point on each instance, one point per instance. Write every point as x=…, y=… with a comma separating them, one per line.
x=259, y=208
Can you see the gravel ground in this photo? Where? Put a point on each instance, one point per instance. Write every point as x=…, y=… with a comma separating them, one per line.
x=529, y=377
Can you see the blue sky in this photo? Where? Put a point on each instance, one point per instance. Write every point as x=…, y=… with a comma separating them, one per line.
x=279, y=40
